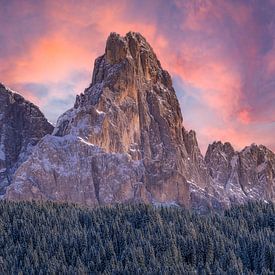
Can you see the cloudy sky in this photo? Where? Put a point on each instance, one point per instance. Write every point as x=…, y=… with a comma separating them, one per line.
x=221, y=55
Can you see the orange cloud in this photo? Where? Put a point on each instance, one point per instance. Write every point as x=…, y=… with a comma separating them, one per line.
x=213, y=48
x=49, y=60
x=62, y=50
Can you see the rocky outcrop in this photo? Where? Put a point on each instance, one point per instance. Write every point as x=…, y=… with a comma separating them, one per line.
x=70, y=169
x=123, y=141
x=130, y=108
x=22, y=125
x=218, y=160
x=245, y=175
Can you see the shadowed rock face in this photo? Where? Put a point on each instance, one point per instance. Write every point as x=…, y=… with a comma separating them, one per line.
x=22, y=125
x=248, y=174
x=218, y=159
x=123, y=141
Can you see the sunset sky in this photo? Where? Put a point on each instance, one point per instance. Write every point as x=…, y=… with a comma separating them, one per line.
x=221, y=55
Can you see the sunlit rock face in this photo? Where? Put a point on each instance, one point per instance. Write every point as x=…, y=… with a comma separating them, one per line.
x=123, y=141
x=131, y=110
x=22, y=125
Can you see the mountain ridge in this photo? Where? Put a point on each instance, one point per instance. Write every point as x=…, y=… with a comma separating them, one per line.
x=130, y=118
x=22, y=125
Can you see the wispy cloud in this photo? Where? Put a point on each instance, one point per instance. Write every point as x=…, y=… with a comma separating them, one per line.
x=221, y=55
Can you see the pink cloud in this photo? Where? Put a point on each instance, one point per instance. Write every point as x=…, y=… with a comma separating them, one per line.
x=244, y=116
x=220, y=49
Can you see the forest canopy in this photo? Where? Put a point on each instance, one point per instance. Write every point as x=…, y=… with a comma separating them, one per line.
x=49, y=238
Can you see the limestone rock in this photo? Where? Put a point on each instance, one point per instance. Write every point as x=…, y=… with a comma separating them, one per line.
x=218, y=159
x=70, y=169
x=22, y=125
x=130, y=108
x=123, y=141
x=245, y=175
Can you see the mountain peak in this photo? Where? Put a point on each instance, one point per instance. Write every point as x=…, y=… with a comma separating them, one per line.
x=220, y=146
x=129, y=56
x=120, y=47
x=124, y=141
x=131, y=112
x=22, y=125
x=116, y=48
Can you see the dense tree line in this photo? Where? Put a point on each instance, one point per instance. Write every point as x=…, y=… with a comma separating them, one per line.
x=48, y=238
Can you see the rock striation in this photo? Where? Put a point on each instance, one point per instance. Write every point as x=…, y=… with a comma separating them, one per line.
x=124, y=141
x=22, y=125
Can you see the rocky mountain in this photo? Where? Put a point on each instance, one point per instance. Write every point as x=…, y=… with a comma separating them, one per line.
x=249, y=174
x=22, y=125
x=123, y=141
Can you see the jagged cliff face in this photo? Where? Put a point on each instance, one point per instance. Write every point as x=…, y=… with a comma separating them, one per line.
x=131, y=108
x=22, y=125
x=123, y=141
x=245, y=175
x=70, y=169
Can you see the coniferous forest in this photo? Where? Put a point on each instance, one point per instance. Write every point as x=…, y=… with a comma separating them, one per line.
x=48, y=238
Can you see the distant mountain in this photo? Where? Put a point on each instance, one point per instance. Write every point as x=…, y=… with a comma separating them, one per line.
x=22, y=125
x=124, y=141
x=249, y=174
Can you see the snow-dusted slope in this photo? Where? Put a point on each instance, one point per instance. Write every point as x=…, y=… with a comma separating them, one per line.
x=71, y=169
x=22, y=125
x=245, y=175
